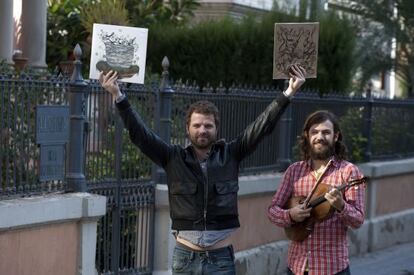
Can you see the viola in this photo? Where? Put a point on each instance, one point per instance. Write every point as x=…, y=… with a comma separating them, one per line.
x=321, y=209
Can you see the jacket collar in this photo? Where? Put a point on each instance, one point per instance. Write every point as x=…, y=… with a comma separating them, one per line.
x=219, y=142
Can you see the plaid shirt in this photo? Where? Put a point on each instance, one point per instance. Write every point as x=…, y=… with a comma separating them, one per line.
x=325, y=251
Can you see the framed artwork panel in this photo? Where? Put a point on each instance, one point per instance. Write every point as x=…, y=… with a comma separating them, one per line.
x=295, y=43
x=119, y=48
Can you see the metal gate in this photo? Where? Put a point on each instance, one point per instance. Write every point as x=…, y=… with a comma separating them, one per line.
x=116, y=169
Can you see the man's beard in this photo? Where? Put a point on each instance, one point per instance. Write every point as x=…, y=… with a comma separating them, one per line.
x=325, y=153
x=209, y=140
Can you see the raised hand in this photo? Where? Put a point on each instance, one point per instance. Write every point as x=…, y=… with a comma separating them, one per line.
x=109, y=83
x=297, y=78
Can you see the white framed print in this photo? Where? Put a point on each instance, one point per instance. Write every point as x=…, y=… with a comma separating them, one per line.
x=121, y=49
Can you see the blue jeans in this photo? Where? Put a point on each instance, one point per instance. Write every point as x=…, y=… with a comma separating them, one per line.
x=219, y=261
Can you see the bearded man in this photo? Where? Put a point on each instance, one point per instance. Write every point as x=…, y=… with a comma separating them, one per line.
x=325, y=249
x=202, y=178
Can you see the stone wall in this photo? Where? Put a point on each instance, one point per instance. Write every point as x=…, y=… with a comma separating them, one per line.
x=389, y=218
x=261, y=247
x=49, y=235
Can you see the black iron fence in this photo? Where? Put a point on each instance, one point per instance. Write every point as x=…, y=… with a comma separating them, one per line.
x=117, y=169
x=374, y=129
x=19, y=153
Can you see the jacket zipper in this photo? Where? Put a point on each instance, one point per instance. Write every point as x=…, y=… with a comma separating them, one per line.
x=205, y=184
x=205, y=197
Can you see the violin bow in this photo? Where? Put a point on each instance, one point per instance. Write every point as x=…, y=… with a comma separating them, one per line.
x=306, y=202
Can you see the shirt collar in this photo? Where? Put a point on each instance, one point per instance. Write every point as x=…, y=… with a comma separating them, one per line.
x=335, y=162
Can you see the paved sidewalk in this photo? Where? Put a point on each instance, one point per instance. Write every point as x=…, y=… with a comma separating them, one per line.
x=396, y=260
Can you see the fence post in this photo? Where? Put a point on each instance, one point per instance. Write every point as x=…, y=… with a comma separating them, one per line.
x=284, y=137
x=78, y=93
x=163, y=240
x=116, y=209
x=368, y=123
x=165, y=107
x=166, y=93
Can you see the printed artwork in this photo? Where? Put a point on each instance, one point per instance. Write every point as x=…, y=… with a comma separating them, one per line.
x=119, y=48
x=295, y=43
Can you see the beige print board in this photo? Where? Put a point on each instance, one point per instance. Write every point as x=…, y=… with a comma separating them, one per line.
x=295, y=43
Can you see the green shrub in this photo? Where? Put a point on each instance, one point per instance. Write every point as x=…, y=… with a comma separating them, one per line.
x=228, y=52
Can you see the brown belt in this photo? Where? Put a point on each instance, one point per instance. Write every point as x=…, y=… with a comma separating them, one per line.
x=191, y=246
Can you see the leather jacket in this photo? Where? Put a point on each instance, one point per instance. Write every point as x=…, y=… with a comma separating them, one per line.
x=198, y=202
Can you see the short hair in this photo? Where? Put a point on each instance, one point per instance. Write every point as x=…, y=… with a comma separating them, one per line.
x=316, y=118
x=203, y=107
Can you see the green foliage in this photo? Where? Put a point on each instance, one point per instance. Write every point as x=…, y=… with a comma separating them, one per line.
x=380, y=22
x=351, y=125
x=64, y=30
x=148, y=12
x=217, y=52
x=230, y=52
x=311, y=7
x=221, y=52
x=101, y=165
x=101, y=156
x=203, y=53
x=71, y=21
x=336, y=55
x=111, y=12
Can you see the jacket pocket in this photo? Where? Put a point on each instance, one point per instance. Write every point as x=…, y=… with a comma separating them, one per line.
x=226, y=198
x=183, y=200
x=183, y=188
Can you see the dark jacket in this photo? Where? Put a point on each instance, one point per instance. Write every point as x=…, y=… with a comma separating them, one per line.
x=196, y=202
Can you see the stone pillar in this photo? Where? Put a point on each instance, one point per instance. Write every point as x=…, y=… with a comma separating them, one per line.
x=164, y=241
x=6, y=30
x=34, y=28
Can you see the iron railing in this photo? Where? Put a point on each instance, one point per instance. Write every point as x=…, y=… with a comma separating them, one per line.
x=116, y=169
x=19, y=153
x=373, y=128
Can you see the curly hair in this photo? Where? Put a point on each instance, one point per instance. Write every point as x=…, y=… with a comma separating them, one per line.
x=203, y=107
x=316, y=118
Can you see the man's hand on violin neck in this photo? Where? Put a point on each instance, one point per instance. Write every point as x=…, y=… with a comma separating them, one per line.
x=334, y=197
x=298, y=214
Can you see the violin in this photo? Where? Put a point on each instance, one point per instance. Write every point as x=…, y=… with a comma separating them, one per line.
x=321, y=209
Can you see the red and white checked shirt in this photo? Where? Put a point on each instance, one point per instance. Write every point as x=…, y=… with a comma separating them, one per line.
x=325, y=251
